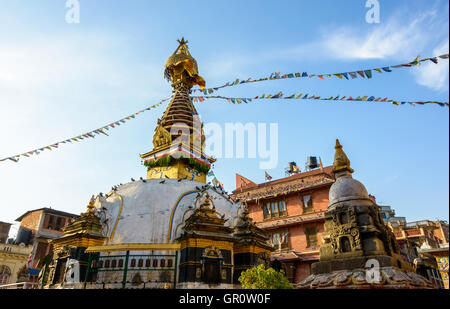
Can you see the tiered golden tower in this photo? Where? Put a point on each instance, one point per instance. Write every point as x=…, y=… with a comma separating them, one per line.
x=178, y=140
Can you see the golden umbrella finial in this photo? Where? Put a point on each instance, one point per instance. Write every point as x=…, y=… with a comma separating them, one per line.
x=182, y=67
x=341, y=161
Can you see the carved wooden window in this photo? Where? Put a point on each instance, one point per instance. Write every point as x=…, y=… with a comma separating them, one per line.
x=345, y=244
x=311, y=237
x=307, y=203
x=147, y=263
x=155, y=263
x=169, y=263
x=163, y=263
x=50, y=222
x=113, y=263
x=140, y=263
x=58, y=223
x=266, y=211
x=274, y=209
x=133, y=263
x=100, y=264
x=120, y=263
x=280, y=240
x=107, y=262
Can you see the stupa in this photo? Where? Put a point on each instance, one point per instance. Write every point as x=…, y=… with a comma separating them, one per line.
x=358, y=250
x=172, y=229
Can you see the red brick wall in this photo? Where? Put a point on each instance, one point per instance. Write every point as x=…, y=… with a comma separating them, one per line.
x=302, y=271
x=31, y=221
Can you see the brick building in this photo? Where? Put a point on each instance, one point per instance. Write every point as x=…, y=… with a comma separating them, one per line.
x=291, y=211
x=4, y=232
x=39, y=226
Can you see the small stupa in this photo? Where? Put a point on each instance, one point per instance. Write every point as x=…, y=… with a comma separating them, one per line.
x=358, y=250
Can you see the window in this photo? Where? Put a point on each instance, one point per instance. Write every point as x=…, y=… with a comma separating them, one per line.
x=50, y=222
x=113, y=263
x=307, y=203
x=169, y=263
x=266, y=210
x=120, y=263
x=5, y=273
x=133, y=263
x=155, y=263
x=58, y=223
x=280, y=240
x=311, y=237
x=147, y=263
x=140, y=263
x=163, y=263
x=107, y=263
x=274, y=209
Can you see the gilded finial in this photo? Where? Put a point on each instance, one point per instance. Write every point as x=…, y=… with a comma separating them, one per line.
x=341, y=162
x=181, y=67
x=90, y=206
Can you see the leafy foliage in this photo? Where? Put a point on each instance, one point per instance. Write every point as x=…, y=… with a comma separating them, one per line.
x=259, y=277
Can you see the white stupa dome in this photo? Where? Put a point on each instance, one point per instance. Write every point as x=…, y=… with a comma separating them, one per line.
x=154, y=212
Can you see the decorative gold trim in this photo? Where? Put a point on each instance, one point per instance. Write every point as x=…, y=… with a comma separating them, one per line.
x=117, y=220
x=249, y=249
x=202, y=243
x=134, y=247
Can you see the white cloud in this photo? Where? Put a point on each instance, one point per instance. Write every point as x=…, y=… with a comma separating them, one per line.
x=393, y=38
x=435, y=76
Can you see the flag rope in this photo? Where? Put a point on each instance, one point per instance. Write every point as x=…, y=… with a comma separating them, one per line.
x=365, y=73
x=89, y=134
x=279, y=95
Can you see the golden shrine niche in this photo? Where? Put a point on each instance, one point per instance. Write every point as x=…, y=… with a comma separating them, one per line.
x=161, y=137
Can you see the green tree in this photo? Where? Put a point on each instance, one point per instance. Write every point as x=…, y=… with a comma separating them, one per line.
x=259, y=277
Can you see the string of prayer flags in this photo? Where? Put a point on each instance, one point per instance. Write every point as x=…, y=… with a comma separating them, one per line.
x=83, y=136
x=279, y=95
x=366, y=73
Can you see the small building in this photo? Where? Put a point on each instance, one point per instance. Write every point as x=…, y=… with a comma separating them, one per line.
x=388, y=214
x=39, y=226
x=438, y=272
x=291, y=210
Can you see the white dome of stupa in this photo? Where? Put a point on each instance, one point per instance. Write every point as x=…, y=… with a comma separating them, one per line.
x=154, y=211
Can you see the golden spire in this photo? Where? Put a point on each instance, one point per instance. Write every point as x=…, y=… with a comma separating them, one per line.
x=341, y=162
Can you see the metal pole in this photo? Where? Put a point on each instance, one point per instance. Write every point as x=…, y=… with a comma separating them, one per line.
x=88, y=269
x=124, y=281
x=175, y=271
x=45, y=271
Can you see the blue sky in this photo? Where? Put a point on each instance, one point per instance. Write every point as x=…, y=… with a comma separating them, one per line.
x=58, y=80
